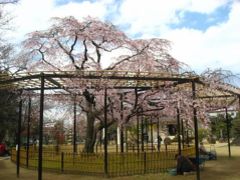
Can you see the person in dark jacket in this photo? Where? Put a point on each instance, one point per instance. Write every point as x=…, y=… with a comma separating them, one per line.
x=184, y=164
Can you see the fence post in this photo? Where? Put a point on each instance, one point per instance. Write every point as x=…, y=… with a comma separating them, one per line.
x=62, y=161
x=145, y=162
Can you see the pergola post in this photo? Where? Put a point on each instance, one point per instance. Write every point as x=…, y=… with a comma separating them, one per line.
x=126, y=138
x=18, y=147
x=41, y=128
x=158, y=136
x=142, y=135
x=183, y=135
x=187, y=134
x=138, y=148
x=28, y=131
x=178, y=130
x=239, y=103
x=74, y=126
x=105, y=135
x=195, y=130
x=121, y=139
x=121, y=127
x=146, y=132
x=228, y=132
x=151, y=130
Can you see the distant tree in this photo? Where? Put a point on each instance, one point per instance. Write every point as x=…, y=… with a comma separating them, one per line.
x=219, y=126
x=8, y=99
x=236, y=130
x=203, y=134
x=8, y=115
x=8, y=62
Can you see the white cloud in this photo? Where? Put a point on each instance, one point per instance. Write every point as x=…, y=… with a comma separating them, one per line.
x=29, y=16
x=214, y=48
x=153, y=16
x=32, y=15
x=150, y=16
x=205, y=6
x=80, y=10
x=217, y=47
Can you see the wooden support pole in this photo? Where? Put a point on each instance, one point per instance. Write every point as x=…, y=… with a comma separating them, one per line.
x=105, y=135
x=138, y=145
x=158, y=136
x=151, y=126
x=28, y=131
x=121, y=127
x=74, y=126
x=142, y=135
x=228, y=132
x=196, y=131
x=40, y=134
x=183, y=134
x=178, y=131
x=18, y=147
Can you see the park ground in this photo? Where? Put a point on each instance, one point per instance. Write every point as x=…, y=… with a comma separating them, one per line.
x=224, y=168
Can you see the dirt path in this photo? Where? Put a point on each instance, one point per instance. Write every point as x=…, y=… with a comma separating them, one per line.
x=222, y=169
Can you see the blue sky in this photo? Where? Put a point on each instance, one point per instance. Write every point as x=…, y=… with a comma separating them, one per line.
x=202, y=21
x=189, y=19
x=204, y=33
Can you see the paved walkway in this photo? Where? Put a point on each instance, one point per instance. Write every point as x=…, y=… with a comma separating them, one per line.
x=4, y=158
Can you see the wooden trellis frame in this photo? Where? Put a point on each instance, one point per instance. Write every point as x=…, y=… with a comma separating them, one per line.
x=113, y=79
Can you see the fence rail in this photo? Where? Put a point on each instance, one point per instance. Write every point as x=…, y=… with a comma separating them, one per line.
x=119, y=164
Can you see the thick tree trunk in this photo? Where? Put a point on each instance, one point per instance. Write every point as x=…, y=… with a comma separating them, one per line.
x=90, y=134
x=90, y=131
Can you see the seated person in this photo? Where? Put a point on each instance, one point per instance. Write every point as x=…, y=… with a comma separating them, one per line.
x=184, y=164
x=203, y=151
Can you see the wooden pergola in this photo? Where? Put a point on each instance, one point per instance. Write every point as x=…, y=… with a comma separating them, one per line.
x=70, y=82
